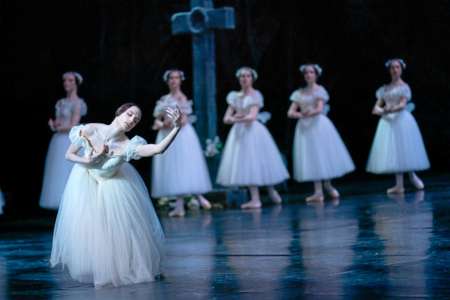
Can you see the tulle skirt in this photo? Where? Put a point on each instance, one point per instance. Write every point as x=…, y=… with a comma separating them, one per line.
x=251, y=158
x=107, y=231
x=182, y=169
x=319, y=152
x=56, y=172
x=398, y=146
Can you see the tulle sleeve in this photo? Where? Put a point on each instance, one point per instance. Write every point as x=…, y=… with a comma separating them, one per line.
x=231, y=98
x=380, y=93
x=83, y=108
x=159, y=107
x=186, y=108
x=406, y=92
x=75, y=135
x=131, y=152
x=295, y=96
x=322, y=93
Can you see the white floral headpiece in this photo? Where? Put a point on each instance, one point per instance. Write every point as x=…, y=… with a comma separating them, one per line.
x=242, y=69
x=168, y=72
x=399, y=60
x=77, y=76
x=315, y=66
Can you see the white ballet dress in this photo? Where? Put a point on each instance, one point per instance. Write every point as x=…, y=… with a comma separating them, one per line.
x=182, y=169
x=57, y=168
x=318, y=152
x=250, y=156
x=398, y=145
x=107, y=231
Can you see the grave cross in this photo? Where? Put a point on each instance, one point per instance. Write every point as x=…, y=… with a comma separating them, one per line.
x=200, y=22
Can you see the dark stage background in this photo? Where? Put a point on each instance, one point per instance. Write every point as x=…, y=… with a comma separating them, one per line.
x=123, y=47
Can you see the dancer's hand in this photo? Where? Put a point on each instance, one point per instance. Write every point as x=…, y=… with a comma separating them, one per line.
x=378, y=111
x=184, y=119
x=96, y=155
x=229, y=120
x=157, y=124
x=304, y=114
x=175, y=116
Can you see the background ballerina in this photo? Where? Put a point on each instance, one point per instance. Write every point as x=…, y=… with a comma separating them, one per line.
x=250, y=157
x=68, y=112
x=319, y=153
x=181, y=171
x=398, y=146
x=107, y=231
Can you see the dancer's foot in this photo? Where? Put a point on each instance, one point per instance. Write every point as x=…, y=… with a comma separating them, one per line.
x=332, y=191
x=416, y=181
x=251, y=204
x=193, y=204
x=204, y=203
x=396, y=190
x=275, y=196
x=315, y=198
x=178, y=211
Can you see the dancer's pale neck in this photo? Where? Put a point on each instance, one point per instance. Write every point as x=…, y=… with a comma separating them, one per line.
x=396, y=81
x=311, y=85
x=175, y=91
x=72, y=95
x=114, y=132
x=247, y=90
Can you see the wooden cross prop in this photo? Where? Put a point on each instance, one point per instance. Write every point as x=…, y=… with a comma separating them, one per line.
x=201, y=22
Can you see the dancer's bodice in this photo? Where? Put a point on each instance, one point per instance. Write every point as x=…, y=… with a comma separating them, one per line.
x=242, y=103
x=65, y=108
x=308, y=100
x=392, y=94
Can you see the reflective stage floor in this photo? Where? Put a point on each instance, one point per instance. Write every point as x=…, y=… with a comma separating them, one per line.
x=367, y=246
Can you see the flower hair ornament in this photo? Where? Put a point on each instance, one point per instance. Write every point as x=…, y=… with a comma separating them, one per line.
x=77, y=76
x=242, y=69
x=316, y=67
x=402, y=63
x=168, y=72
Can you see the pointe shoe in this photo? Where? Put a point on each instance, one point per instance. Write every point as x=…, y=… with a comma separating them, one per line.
x=418, y=184
x=332, y=192
x=315, y=197
x=204, y=203
x=177, y=212
x=251, y=204
x=275, y=197
x=396, y=190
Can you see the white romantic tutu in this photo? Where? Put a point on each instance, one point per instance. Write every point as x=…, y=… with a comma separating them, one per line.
x=397, y=146
x=319, y=152
x=57, y=170
x=251, y=158
x=107, y=231
x=182, y=169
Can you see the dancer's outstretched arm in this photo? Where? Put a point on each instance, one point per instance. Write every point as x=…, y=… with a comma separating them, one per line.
x=153, y=149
